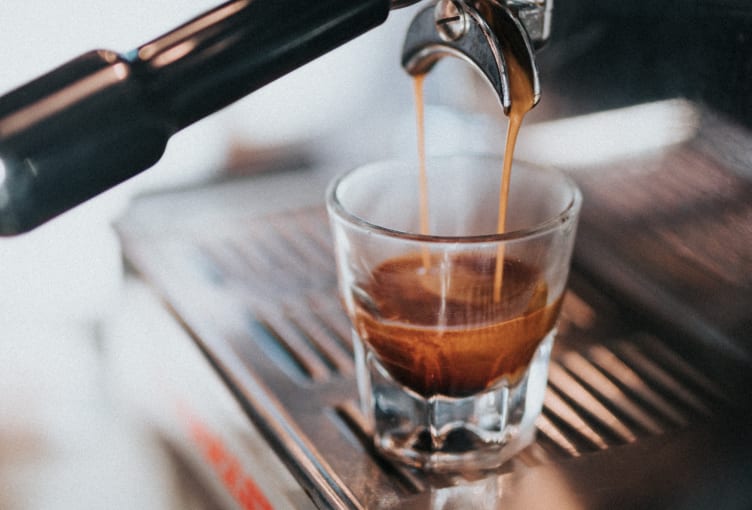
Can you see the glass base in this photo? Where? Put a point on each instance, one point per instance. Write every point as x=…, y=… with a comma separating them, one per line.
x=444, y=434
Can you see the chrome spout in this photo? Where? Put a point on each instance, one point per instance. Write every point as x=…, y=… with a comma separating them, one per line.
x=486, y=33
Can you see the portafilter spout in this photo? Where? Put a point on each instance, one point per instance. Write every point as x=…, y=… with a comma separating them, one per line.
x=492, y=35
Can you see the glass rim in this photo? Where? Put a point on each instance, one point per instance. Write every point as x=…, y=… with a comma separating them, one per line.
x=550, y=224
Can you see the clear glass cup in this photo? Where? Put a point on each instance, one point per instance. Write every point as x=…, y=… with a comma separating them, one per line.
x=453, y=329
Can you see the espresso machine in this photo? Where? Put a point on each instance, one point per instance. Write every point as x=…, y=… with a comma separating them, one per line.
x=646, y=105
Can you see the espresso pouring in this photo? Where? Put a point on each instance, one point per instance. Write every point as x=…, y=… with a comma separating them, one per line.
x=461, y=339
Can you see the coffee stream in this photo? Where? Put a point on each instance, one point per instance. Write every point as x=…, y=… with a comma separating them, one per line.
x=523, y=100
x=459, y=337
x=422, y=175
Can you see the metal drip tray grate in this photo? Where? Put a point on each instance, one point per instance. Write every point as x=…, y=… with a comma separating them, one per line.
x=258, y=296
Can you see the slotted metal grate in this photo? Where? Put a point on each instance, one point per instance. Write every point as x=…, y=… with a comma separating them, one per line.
x=259, y=297
x=681, y=223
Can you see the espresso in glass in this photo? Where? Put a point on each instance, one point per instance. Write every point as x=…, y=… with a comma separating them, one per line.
x=452, y=368
x=440, y=335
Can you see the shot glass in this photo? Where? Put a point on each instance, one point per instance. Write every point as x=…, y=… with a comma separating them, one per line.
x=452, y=322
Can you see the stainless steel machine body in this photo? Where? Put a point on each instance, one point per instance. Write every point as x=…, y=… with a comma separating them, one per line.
x=647, y=406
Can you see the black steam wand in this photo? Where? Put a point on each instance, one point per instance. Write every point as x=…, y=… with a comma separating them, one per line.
x=103, y=117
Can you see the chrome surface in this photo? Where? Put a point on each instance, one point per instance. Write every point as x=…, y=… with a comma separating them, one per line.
x=638, y=414
x=535, y=16
x=485, y=37
x=451, y=20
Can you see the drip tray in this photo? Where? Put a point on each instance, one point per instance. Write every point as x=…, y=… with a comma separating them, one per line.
x=628, y=418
